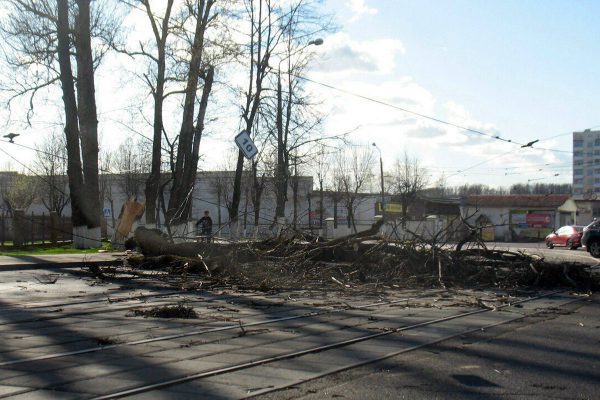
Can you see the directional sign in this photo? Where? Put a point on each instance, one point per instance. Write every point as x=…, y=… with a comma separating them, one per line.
x=246, y=145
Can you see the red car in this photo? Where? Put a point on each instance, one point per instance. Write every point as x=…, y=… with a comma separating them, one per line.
x=568, y=236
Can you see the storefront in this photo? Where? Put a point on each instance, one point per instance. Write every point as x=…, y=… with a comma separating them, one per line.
x=519, y=217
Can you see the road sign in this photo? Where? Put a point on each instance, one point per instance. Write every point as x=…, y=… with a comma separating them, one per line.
x=246, y=145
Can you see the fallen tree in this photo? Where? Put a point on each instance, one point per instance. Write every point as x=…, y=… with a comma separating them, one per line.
x=362, y=261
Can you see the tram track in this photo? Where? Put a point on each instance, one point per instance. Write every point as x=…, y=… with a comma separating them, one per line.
x=269, y=359
x=324, y=348
x=230, y=327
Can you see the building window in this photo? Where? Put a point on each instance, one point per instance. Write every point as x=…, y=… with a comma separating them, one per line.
x=577, y=191
x=578, y=162
x=597, y=142
x=588, y=172
x=595, y=212
x=578, y=171
x=578, y=143
x=597, y=152
x=597, y=180
x=578, y=153
x=579, y=181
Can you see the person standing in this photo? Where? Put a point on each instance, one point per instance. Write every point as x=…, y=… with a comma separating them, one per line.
x=205, y=224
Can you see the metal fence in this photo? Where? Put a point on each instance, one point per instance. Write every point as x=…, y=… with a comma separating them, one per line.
x=27, y=229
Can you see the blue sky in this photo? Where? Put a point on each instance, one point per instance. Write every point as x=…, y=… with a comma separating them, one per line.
x=524, y=69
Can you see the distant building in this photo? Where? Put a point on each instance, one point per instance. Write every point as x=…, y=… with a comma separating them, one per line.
x=520, y=217
x=586, y=165
x=212, y=192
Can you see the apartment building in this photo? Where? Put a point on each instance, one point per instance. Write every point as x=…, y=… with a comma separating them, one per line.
x=586, y=165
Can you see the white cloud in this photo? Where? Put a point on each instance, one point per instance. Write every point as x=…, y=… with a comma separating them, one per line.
x=359, y=8
x=341, y=53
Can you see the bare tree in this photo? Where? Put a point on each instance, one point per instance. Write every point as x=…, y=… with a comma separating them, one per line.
x=352, y=173
x=192, y=125
x=131, y=162
x=21, y=193
x=220, y=185
x=257, y=188
x=30, y=43
x=262, y=41
x=276, y=31
x=321, y=165
x=45, y=37
x=51, y=165
x=409, y=178
x=156, y=79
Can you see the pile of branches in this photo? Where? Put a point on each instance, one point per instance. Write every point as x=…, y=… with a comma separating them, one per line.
x=363, y=261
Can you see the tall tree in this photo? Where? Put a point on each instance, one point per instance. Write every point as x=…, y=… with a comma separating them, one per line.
x=44, y=38
x=278, y=31
x=262, y=42
x=88, y=120
x=192, y=125
x=156, y=80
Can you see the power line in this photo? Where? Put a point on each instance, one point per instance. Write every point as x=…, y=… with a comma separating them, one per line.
x=438, y=120
x=459, y=172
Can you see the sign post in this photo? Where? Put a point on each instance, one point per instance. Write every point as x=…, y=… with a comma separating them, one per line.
x=246, y=145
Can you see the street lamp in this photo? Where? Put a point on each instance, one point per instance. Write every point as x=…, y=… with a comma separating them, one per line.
x=382, y=187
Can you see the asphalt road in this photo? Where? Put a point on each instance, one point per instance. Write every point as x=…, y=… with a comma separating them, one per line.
x=556, y=254
x=553, y=355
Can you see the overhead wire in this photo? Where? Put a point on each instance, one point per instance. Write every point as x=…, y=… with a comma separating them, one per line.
x=435, y=119
x=384, y=103
x=421, y=115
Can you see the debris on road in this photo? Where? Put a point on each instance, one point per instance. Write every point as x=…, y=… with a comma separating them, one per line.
x=177, y=311
x=363, y=262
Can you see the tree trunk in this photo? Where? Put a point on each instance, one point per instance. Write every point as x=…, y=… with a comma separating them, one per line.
x=153, y=181
x=257, y=191
x=219, y=207
x=281, y=169
x=258, y=69
x=186, y=162
x=236, y=197
x=335, y=213
x=321, y=205
x=88, y=122
x=295, y=187
x=71, y=120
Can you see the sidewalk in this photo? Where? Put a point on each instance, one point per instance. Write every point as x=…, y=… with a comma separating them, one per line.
x=59, y=260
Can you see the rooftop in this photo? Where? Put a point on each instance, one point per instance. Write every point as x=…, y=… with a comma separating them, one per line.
x=525, y=200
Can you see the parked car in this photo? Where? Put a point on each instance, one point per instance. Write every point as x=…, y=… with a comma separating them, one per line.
x=591, y=238
x=568, y=236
